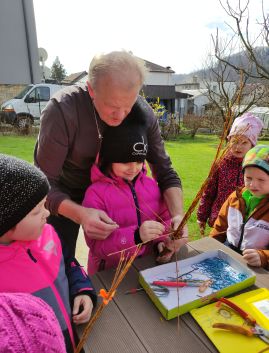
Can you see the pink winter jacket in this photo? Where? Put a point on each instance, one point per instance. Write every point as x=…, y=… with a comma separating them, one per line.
x=127, y=204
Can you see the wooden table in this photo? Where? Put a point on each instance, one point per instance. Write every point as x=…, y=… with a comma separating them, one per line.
x=131, y=323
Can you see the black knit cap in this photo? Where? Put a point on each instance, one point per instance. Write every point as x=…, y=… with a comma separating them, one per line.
x=22, y=187
x=125, y=143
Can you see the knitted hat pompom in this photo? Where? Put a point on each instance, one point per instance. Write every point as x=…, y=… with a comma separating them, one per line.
x=22, y=187
x=28, y=325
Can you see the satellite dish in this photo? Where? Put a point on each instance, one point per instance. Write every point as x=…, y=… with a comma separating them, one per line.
x=42, y=54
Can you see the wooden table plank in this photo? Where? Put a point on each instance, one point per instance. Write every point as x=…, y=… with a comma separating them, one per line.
x=110, y=332
x=149, y=261
x=131, y=323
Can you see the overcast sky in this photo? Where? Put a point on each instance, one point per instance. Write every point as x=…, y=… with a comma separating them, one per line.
x=172, y=33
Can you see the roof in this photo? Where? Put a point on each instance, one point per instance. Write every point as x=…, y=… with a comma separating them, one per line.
x=75, y=77
x=157, y=68
x=259, y=110
x=195, y=92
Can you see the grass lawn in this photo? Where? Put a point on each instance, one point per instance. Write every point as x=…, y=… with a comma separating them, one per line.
x=191, y=158
x=18, y=146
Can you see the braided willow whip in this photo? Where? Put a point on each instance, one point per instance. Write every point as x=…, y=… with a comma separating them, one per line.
x=121, y=271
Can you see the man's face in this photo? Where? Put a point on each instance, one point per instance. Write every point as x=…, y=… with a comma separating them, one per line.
x=112, y=102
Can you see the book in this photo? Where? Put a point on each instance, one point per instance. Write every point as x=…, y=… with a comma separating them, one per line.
x=255, y=303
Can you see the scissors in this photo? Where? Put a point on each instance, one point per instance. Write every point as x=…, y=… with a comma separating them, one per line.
x=253, y=328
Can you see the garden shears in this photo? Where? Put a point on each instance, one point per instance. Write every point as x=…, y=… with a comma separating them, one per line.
x=253, y=329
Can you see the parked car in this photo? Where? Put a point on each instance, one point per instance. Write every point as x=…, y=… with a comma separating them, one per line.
x=25, y=109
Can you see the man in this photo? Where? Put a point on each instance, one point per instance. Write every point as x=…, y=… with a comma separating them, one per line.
x=70, y=137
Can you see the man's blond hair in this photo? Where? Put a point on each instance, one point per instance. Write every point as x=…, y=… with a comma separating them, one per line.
x=122, y=67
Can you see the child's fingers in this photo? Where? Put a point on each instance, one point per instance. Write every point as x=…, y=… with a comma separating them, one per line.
x=83, y=313
x=252, y=257
x=76, y=306
x=83, y=317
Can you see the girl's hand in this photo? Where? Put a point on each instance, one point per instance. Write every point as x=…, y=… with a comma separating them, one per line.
x=82, y=309
x=252, y=257
x=150, y=230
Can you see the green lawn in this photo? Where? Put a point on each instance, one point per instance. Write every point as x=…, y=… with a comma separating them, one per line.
x=191, y=158
x=19, y=146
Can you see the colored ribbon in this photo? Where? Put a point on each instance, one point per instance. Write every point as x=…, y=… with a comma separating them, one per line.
x=107, y=296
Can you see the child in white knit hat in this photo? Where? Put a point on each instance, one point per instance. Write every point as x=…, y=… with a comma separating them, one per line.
x=243, y=136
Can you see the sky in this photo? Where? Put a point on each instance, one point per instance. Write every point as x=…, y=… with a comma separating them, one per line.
x=175, y=33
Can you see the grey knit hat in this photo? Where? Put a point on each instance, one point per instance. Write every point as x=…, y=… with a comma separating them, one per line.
x=22, y=187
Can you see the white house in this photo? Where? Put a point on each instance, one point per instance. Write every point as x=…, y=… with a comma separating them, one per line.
x=192, y=96
x=263, y=114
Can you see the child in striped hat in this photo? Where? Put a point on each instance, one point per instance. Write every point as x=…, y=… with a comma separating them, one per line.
x=243, y=221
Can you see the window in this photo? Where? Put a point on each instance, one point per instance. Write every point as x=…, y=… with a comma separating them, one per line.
x=41, y=94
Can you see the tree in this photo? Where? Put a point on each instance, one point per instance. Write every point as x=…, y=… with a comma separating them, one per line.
x=193, y=123
x=256, y=49
x=230, y=94
x=242, y=59
x=58, y=72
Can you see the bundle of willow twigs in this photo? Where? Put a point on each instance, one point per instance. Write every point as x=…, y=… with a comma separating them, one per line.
x=122, y=269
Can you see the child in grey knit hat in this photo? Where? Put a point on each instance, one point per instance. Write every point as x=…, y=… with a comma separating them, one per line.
x=31, y=253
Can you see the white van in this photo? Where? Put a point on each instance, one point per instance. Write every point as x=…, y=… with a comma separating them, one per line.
x=25, y=109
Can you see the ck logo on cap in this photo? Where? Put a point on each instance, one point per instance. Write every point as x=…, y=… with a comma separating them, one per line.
x=140, y=148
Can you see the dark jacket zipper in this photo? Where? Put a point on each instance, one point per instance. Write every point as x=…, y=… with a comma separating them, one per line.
x=131, y=186
x=31, y=255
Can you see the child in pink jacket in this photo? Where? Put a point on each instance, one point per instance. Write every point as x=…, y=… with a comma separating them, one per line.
x=121, y=188
x=229, y=174
x=31, y=254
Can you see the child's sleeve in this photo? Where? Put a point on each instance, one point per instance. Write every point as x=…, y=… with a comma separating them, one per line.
x=118, y=240
x=78, y=280
x=264, y=255
x=221, y=224
x=208, y=198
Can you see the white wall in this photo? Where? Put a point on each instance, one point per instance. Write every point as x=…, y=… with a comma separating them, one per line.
x=159, y=79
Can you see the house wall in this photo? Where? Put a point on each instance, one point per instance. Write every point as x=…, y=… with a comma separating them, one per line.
x=18, y=43
x=9, y=91
x=159, y=78
x=199, y=103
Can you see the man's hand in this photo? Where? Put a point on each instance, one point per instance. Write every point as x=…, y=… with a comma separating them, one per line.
x=175, y=222
x=150, y=230
x=172, y=246
x=82, y=309
x=96, y=223
x=252, y=257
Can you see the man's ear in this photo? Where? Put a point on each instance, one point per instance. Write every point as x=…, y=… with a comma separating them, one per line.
x=90, y=90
